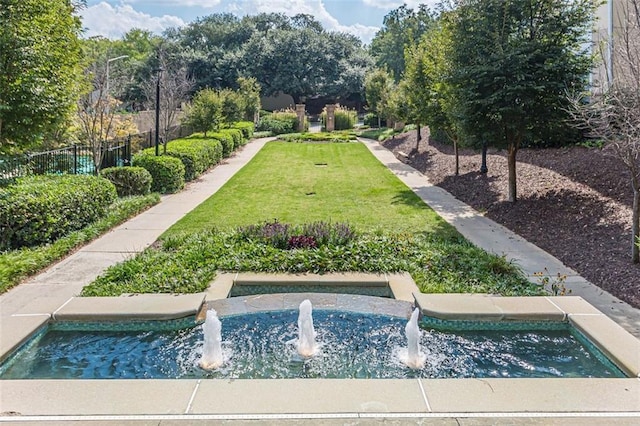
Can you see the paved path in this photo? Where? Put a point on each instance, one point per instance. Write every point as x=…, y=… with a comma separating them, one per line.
x=33, y=300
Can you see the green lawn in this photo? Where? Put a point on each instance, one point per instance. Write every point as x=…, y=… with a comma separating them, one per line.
x=305, y=182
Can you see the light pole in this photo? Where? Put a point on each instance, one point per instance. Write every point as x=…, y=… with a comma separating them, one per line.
x=108, y=62
x=159, y=75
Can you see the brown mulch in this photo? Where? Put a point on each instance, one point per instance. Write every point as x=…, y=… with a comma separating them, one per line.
x=573, y=202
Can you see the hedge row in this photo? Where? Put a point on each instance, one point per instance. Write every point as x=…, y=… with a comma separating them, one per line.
x=195, y=154
x=128, y=180
x=40, y=209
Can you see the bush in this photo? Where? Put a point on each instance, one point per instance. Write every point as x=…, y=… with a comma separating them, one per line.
x=128, y=180
x=236, y=135
x=196, y=153
x=279, y=122
x=167, y=172
x=226, y=142
x=246, y=127
x=40, y=209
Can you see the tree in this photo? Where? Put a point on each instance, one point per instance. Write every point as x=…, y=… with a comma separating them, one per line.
x=513, y=62
x=611, y=111
x=97, y=117
x=401, y=28
x=39, y=65
x=378, y=85
x=205, y=112
x=249, y=88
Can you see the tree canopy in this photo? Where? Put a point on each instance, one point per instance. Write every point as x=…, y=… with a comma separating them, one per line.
x=39, y=67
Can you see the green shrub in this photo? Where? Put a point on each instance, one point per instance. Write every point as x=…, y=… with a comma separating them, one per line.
x=40, y=209
x=370, y=119
x=15, y=265
x=279, y=122
x=167, y=172
x=196, y=153
x=236, y=134
x=128, y=180
x=246, y=127
x=226, y=142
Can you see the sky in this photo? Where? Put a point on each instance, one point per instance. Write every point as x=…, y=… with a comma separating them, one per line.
x=113, y=18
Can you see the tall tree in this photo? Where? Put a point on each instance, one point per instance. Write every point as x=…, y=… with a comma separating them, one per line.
x=39, y=65
x=513, y=62
x=378, y=86
x=401, y=28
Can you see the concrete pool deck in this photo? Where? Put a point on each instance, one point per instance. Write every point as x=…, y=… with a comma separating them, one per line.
x=31, y=304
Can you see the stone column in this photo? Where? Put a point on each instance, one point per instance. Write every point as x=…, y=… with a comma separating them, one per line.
x=331, y=118
x=301, y=116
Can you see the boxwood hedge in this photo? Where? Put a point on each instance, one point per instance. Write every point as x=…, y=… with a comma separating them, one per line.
x=128, y=180
x=167, y=172
x=40, y=209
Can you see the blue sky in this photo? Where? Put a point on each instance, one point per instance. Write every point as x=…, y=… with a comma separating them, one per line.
x=112, y=18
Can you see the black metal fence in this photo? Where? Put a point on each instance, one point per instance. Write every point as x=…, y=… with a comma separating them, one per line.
x=74, y=159
x=78, y=159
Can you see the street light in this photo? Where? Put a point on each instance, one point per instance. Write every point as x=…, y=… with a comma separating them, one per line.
x=159, y=74
x=108, y=62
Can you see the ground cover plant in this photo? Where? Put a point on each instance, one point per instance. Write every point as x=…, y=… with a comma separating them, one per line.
x=16, y=265
x=362, y=219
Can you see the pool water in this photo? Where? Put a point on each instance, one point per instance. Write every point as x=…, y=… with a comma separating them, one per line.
x=260, y=345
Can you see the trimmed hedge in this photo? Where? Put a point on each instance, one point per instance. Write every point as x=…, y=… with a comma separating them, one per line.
x=226, y=141
x=40, y=209
x=167, y=172
x=128, y=180
x=246, y=127
x=236, y=134
x=196, y=153
x=276, y=126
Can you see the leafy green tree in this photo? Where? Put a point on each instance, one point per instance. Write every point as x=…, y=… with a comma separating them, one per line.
x=39, y=65
x=249, y=88
x=401, y=28
x=205, y=112
x=378, y=86
x=513, y=62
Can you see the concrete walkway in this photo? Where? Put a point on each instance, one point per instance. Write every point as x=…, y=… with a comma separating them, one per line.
x=49, y=291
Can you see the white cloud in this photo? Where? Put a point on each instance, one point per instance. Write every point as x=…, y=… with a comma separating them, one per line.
x=114, y=21
x=205, y=4
x=394, y=4
x=311, y=7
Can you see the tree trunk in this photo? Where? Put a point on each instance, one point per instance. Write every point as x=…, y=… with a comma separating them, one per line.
x=455, y=152
x=635, y=226
x=513, y=150
x=419, y=136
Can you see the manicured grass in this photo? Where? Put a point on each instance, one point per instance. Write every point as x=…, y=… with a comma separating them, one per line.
x=305, y=182
x=16, y=265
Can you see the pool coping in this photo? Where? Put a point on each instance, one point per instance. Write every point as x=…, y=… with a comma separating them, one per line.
x=333, y=398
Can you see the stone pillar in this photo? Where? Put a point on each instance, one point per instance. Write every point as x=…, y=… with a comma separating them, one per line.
x=301, y=116
x=331, y=118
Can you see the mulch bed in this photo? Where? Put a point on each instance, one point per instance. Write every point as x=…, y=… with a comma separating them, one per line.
x=573, y=202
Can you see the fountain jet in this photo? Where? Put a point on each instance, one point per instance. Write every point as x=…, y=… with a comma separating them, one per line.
x=415, y=359
x=212, y=358
x=306, y=343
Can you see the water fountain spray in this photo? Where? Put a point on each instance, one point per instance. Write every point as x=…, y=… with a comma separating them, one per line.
x=415, y=359
x=212, y=352
x=306, y=343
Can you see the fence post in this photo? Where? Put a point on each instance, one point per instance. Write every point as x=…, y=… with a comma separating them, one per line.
x=75, y=159
x=127, y=151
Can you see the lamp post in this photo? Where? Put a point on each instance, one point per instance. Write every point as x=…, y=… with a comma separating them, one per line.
x=108, y=62
x=159, y=75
